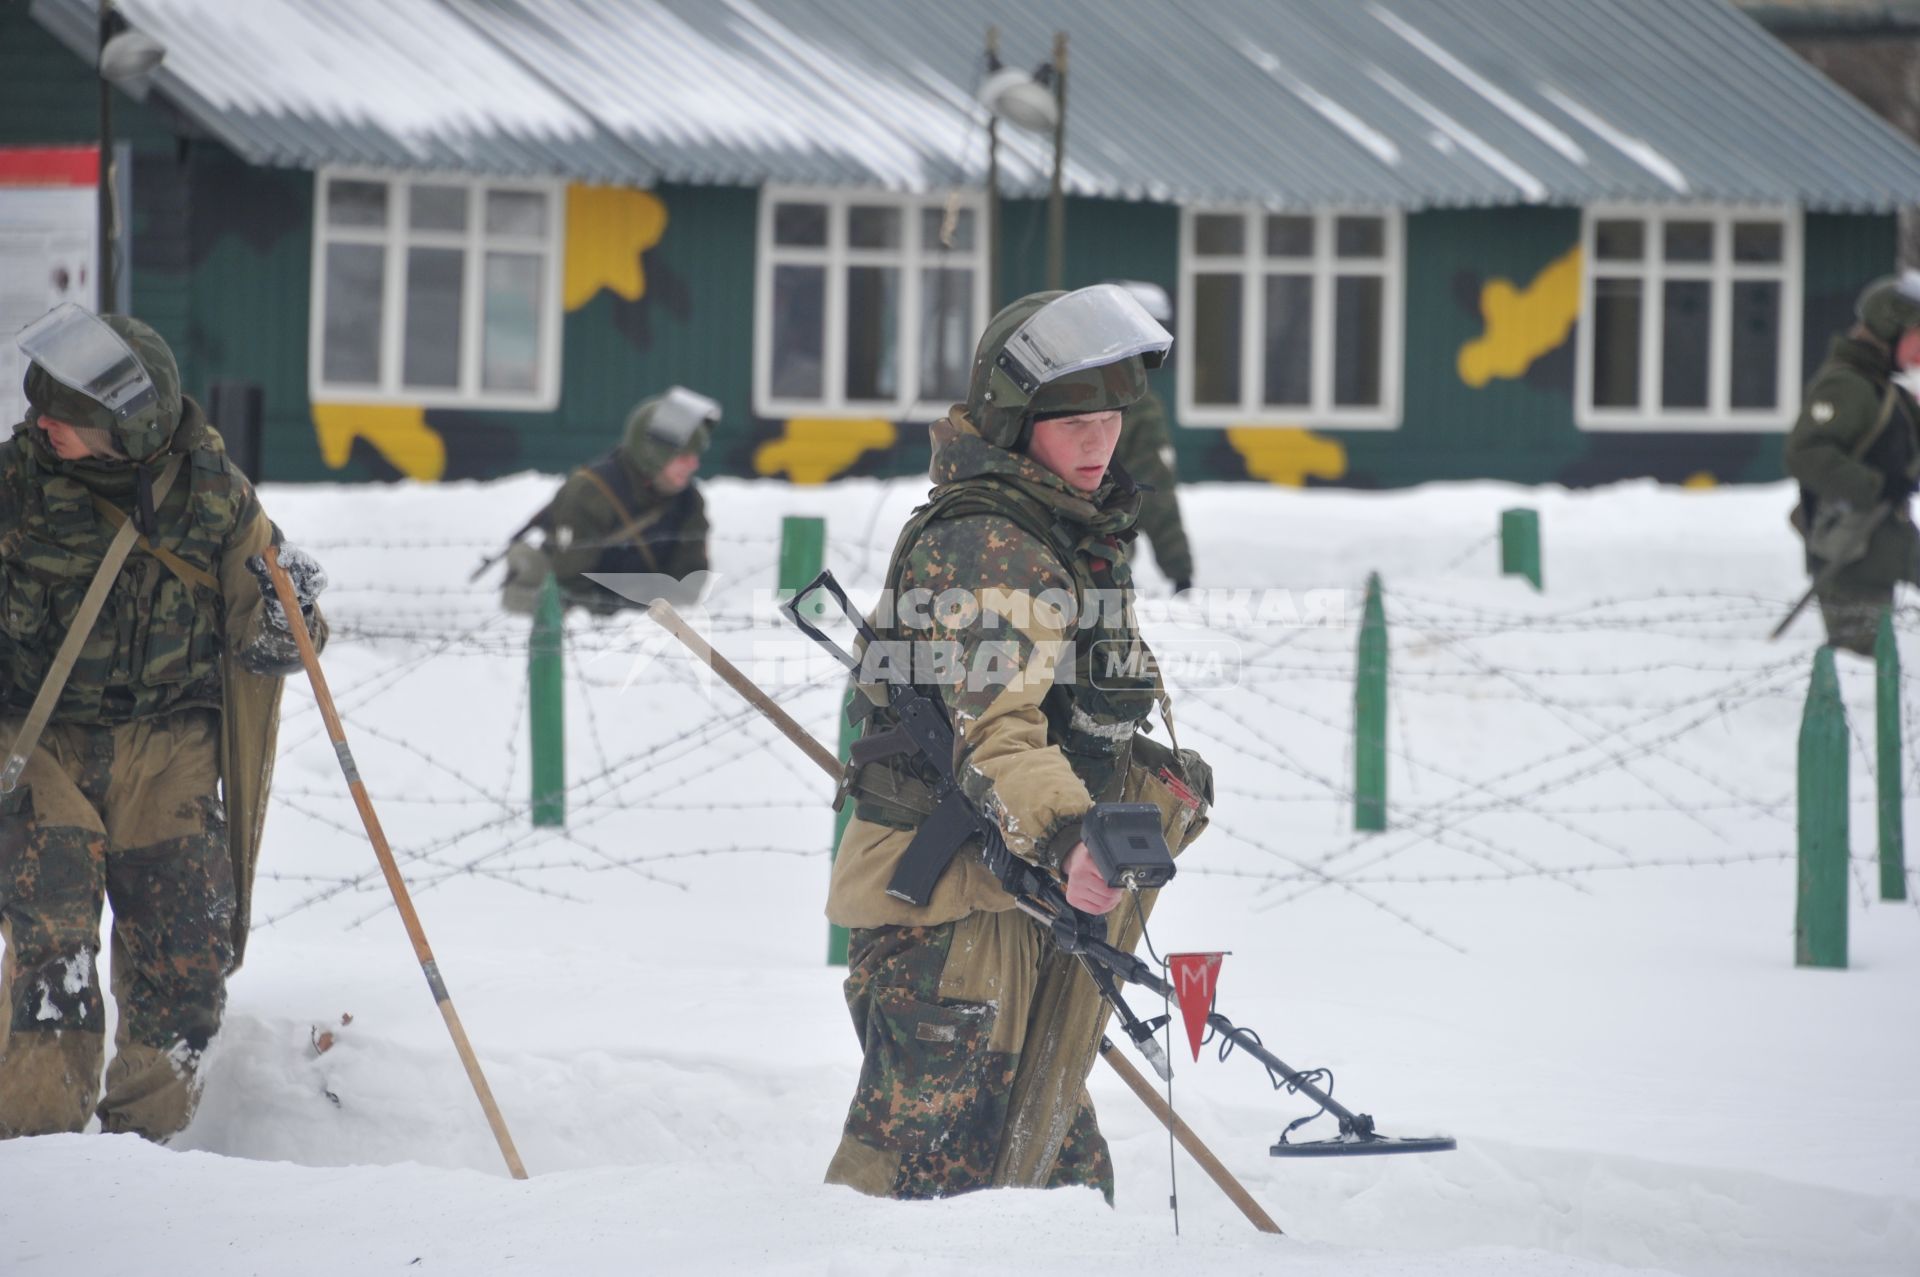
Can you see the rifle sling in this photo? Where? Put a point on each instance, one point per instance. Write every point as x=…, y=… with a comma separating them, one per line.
x=631, y=527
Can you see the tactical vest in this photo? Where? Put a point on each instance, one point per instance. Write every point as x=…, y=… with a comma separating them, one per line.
x=156, y=643
x=651, y=547
x=1092, y=716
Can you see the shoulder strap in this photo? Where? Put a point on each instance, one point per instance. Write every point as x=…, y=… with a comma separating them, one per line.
x=175, y=564
x=1879, y=422
x=630, y=527
x=63, y=661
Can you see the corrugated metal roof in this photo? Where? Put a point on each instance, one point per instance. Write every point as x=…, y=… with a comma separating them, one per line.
x=1397, y=103
x=382, y=83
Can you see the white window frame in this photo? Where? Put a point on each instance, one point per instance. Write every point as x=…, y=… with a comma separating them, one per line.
x=1722, y=272
x=396, y=237
x=1252, y=264
x=911, y=258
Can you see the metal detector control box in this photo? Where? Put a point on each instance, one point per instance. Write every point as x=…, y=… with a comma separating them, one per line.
x=1127, y=846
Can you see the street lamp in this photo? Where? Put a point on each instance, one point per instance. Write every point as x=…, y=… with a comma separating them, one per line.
x=124, y=54
x=1036, y=102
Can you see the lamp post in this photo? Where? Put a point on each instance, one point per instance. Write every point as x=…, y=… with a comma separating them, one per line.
x=123, y=54
x=1036, y=102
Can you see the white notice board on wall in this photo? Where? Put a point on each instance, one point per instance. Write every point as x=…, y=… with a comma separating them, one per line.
x=48, y=229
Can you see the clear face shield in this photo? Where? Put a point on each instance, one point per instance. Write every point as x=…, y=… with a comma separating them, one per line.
x=77, y=349
x=1088, y=328
x=679, y=413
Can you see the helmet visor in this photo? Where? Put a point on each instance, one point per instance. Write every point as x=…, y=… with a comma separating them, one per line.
x=1087, y=328
x=679, y=413
x=77, y=349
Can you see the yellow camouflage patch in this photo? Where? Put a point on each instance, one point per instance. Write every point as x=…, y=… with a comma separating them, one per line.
x=814, y=450
x=399, y=431
x=1288, y=456
x=1522, y=324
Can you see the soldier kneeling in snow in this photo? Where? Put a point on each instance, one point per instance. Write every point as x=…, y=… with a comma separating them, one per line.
x=633, y=510
x=140, y=726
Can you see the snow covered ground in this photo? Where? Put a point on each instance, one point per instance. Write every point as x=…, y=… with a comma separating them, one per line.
x=1573, y=950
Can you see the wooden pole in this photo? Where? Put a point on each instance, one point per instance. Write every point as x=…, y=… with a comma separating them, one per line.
x=662, y=611
x=309, y=658
x=1220, y=1175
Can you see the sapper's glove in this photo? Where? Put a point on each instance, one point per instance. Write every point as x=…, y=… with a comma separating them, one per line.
x=1181, y=584
x=274, y=650
x=308, y=578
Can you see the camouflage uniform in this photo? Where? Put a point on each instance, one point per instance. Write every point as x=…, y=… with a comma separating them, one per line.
x=609, y=517
x=170, y=706
x=1842, y=410
x=977, y=1033
x=1146, y=452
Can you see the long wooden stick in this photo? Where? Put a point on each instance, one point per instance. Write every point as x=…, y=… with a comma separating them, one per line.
x=662, y=611
x=290, y=603
x=1219, y=1174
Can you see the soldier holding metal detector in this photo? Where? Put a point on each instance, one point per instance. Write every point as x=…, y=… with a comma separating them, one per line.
x=633, y=510
x=1855, y=451
x=978, y=1036
x=1013, y=819
x=141, y=653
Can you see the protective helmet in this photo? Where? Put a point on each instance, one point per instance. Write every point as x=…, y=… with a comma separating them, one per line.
x=1152, y=298
x=103, y=372
x=1890, y=305
x=1084, y=351
x=667, y=426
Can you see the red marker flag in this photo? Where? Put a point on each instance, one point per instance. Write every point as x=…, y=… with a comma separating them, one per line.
x=1196, y=976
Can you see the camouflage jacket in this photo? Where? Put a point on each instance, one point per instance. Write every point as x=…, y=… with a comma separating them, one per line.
x=608, y=517
x=1840, y=409
x=1146, y=452
x=158, y=642
x=1014, y=590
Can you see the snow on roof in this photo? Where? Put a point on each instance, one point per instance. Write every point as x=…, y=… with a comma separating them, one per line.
x=1390, y=103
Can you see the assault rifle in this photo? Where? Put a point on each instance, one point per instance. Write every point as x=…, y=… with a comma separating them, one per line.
x=1130, y=851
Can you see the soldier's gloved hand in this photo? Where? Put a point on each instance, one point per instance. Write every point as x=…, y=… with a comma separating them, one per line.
x=308, y=578
x=1181, y=584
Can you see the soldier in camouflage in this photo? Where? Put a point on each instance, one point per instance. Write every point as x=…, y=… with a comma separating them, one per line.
x=148, y=783
x=1146, y=450
x=1856, y=447
x=978, y=1034
x=634, y=509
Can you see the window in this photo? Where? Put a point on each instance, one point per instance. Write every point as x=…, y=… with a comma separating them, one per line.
x=1289, y=318
x=1692, y=319
x=442, y=291
x=866, y=305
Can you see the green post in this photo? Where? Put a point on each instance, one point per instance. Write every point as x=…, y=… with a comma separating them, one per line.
x=1893, y=828
x=1520, y=545
x=837, y=937
x=1370, y=717
x=547, y=707
x=803, y=551
x=1820, y=917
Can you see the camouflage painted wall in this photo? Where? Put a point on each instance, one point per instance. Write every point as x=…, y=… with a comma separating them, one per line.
x=658, y=288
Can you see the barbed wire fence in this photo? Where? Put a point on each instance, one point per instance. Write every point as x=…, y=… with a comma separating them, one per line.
x=1531, y=742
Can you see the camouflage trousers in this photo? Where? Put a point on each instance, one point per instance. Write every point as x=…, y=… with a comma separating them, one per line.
x=129, y=814
x=930, y=1114
x=1853, y=618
